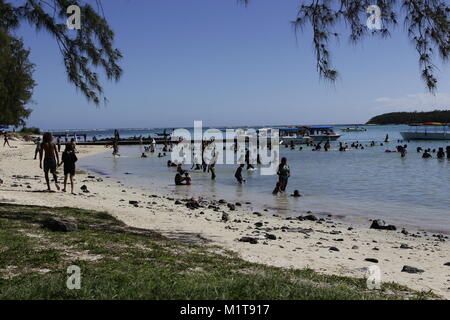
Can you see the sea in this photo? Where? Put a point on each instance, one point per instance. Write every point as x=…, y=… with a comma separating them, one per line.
x=355, y=186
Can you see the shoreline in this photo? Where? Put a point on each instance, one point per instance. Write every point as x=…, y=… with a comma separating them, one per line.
x=297, y=244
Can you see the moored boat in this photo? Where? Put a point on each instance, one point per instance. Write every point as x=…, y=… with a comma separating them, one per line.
x=427, y=131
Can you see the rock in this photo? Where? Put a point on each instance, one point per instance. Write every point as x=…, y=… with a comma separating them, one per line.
x=410, y=269
x=405, y=246
x=1, y=181
x=355, y=247
x=249, y=239
x=225, y=217
x=133, y=202
x=258, y=224
x=91, y=177
x=222, y=201
x=178, y=202
x=405, y=232
x=333, y=249
x=310, y=217
x=231, y=206
x=371, y=260
x=257, y=214
x=271, y=236
x=59, y=224
x=381, y=225
x=238, y=204
x=84, y=188
x=447, y=264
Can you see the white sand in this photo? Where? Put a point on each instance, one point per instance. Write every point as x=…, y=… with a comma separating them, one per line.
x=289, y=250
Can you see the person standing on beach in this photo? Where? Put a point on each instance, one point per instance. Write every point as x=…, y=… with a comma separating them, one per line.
x=6, y=140
x=447, y=149
x=68, y=158
x=51, y=158
x=38, y=148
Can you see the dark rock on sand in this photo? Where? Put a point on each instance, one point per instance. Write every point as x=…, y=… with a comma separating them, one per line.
x=381, y=225
x=59, y=224
x=225, y=217
x=355, y=247
x=249, y=239
x=405, y=246
x=222, y=201
x=310, y=217
x=133, y=202
x=333, y=249
x=231, y=206
x=410, y=269
x=371, y=260
x=238, y=204
x=447, y=264
x=257, y=214
x=271, y=236
x=258, y=224
x=178, y=202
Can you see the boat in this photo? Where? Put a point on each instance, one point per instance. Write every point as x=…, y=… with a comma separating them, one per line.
x=427, y=131
x=322, y=133
x=293, y=135
x=354, y=129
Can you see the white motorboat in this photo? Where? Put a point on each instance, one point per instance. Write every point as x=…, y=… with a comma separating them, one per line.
x=427, y=131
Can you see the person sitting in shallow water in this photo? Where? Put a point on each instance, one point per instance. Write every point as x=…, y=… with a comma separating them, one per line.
x=441, y=153
x=143, y=155
x=182, y=178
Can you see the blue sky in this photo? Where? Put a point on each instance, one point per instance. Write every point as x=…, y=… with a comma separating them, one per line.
x=217, y=61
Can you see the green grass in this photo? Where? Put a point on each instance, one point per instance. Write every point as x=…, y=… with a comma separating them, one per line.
x=120, y=262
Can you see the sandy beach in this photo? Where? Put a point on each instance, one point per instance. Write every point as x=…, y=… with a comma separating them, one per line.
x=325, y=245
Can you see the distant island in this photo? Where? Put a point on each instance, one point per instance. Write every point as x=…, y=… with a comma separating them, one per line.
x=411, y=117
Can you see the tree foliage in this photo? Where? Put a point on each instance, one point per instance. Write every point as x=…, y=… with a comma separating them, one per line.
x=16, y=81
x=412, y=117
x=83, y=51
x=426, y=22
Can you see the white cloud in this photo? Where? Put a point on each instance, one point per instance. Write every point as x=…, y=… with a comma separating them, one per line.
x=414, y=102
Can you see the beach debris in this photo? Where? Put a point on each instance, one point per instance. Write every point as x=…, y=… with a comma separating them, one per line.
x=249, y=240
x=59, y=224
x=410, y=269
x=371, y=260
x=225, y=217
x=381, y=225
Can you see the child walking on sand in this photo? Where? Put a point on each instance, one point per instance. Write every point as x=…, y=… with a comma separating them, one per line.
x=68, y=158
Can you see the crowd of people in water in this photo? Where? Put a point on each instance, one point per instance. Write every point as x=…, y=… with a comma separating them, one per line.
x=49, y=150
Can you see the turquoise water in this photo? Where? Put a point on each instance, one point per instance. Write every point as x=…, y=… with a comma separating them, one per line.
x=356, y=184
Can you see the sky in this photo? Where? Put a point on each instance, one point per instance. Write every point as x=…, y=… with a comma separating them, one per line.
x=229, y=65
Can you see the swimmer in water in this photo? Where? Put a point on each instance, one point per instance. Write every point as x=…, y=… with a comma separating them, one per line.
x=238, y=174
